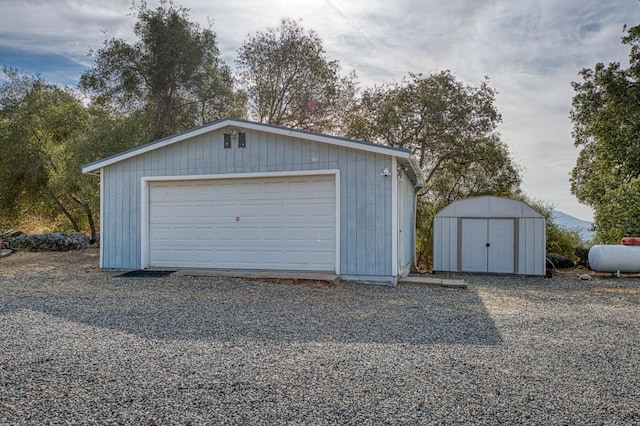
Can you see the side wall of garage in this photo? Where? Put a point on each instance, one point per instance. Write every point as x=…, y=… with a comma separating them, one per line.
x=407, y=224
x=365, y=193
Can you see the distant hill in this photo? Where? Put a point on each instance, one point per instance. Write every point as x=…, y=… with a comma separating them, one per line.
x=582, y=226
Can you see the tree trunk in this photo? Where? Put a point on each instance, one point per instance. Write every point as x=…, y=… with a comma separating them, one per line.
x=62, y=208
x=89, y=213
x=92, y=224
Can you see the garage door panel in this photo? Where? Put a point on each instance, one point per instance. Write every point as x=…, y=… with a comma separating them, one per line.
x=248, y=234
x=181, y=256
x=323, y=258
x=299, y=210
x=223, y=235
x=272, y=210
x=248, y=259
x=322, y=208
x=205, y=234
x=268, y=223
x=200, y=213
x=272, y=235
x=274, y=187
x=199, y=256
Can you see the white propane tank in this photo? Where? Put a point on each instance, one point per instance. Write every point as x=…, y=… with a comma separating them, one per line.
x=604, y=258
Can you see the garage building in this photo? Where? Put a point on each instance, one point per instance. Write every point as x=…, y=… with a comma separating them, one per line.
x=489, y=234
x=235, y=194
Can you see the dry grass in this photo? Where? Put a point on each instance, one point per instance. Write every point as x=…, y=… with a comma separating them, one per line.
x=24, y=262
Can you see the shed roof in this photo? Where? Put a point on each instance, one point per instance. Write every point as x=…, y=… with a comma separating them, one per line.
x=489, y=207
x=403, y=155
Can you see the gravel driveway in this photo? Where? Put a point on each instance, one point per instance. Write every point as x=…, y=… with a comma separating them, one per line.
x=78, y=346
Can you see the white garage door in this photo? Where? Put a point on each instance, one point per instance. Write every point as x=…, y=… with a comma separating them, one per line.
x=286, y=223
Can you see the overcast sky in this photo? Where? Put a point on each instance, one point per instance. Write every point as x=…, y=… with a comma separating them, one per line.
x=530, y=49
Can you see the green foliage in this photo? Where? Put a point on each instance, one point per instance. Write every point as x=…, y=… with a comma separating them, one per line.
x=560, y=239
x=452, y=130
x=606, y=125
x=46, y=135
x=289, y=81
x=171, y=78
x=619, y=217
x=450, y=127
x=37, y=122
x=425, y=213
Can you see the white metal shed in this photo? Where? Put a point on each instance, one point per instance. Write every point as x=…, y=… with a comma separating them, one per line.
x=489, y=234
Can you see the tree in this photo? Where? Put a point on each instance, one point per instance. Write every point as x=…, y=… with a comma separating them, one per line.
x=452, y=130
x=290, y=82
x=172, y=77
x=606, y=125
x=450, y=127
x=560, y=239
x=107, y=133
x=37, y=121
x=619, y=217
x=46, y=135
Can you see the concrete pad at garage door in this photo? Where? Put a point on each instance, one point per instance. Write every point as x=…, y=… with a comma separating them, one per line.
x=266, y=274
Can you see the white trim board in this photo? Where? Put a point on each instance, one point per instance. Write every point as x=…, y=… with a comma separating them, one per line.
x=394, y=217
x=101, y=245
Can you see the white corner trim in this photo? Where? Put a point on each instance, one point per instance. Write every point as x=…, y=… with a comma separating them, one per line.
x=394, y=217
x=144, y=201
x=144, y=223
x=337, y=192
x=101, y=241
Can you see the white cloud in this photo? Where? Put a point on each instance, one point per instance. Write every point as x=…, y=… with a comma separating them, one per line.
x=530, y=49
x=62, y=26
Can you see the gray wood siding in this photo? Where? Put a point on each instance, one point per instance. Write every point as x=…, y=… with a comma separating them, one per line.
x=365, y=195
x=407, y=250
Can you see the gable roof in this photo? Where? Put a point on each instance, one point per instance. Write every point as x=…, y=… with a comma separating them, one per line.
x=403, y=155
x=488, y=206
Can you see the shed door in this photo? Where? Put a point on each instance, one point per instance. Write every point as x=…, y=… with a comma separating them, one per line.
x=286, y=223
x=488, y=245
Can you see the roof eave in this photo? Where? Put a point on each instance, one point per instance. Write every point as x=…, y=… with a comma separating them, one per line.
x=95, y=167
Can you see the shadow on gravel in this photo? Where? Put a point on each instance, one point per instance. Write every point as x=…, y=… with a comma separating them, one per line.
x=273, y=312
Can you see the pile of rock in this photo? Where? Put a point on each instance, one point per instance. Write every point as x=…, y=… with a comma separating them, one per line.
x=6, y=235
x=558, y=261
x=58, y=241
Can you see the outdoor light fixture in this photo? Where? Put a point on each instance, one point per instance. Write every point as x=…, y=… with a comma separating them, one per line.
x=385, y=172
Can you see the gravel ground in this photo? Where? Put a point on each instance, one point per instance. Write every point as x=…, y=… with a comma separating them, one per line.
x=78, y=346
